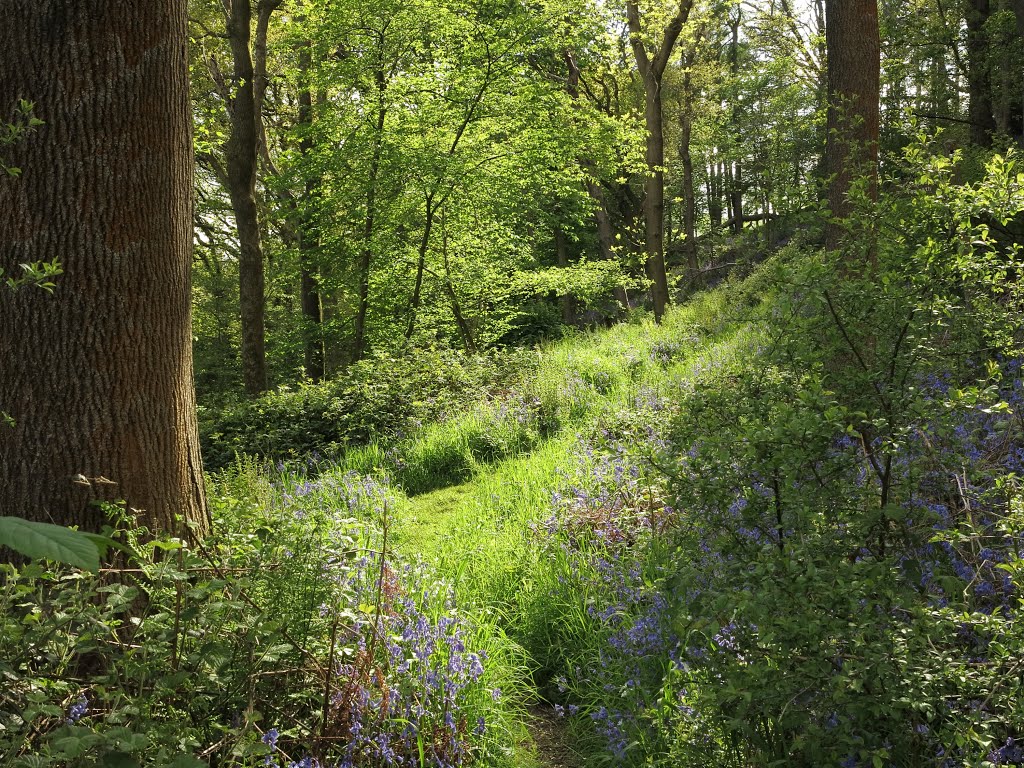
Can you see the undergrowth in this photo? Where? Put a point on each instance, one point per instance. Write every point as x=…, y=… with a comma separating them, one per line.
x=781, y=528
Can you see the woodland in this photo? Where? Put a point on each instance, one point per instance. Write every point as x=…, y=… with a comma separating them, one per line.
x=511, y=383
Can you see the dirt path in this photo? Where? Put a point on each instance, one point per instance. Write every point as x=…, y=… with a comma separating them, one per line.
x=552, y=738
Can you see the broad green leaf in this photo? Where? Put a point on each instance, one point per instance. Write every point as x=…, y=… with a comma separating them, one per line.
x=49, y=542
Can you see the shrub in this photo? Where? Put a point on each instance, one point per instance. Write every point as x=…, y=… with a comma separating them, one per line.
x=293, y=636
x=380, y=399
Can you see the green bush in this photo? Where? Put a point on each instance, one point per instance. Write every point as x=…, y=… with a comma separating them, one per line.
x=379, y=399
x=293, y=635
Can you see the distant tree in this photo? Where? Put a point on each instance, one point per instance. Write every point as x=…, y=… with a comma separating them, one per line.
x=97, y=377
x=854, y=78
x=651, y=65
x=244, y=101
x=979, y=83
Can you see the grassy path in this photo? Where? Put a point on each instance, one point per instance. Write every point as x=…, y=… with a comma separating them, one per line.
x=483, y=535
x=438, y=527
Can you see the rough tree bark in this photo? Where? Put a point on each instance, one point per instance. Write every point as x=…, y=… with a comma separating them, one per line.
x=853, y=112
x=651, y=68
x=98, y=375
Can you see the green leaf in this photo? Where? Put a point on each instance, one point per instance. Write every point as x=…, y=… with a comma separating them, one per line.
x=49, y=542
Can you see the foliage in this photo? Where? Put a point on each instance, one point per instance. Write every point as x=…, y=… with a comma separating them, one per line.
x=831, y=574
x=295, y=635
x=24, y=122
x=382, y=398
x=52, y=542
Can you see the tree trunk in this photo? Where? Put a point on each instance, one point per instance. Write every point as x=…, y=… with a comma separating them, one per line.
x=736, y=168
x=654, y=200
x=979, y=82
x=98, y=375
x=465, y=332
x=366, y=253
x=736, y=197
x=421, y=265
x=651, y=69
x=853, y=110
x=715, y=195
x=566, y=301
x=309, y=285
x=241, y=154
x=689, y=194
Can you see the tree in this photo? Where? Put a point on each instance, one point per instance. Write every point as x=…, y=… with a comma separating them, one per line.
x=854, y=77
x=979, y=84
x=98, y=376
x=243, y=99
x=652, y=68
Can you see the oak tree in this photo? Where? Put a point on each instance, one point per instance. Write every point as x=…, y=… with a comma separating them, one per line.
x=97, y=377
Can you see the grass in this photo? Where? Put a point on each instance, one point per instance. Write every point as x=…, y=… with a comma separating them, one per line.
x=469, y=496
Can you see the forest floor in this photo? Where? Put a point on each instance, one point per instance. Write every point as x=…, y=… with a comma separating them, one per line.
x=552, y=739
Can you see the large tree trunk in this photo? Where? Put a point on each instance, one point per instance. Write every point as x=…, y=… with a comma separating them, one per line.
x=651, y=69
x=242, y=152
x=98, y=375
x=853, y=111
x=979, y=82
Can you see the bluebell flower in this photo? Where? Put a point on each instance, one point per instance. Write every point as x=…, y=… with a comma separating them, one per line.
x=78, y=710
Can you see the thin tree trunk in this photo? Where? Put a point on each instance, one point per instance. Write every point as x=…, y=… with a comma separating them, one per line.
x=1018, y=12
x=460, y=320
x=366, y=253
x=309, y=285
x=98, y=375
x=241, y=155
x=431, y=208
x=654, y=200
x=853, y=111
x=566, y=301
x=689, y=194
x=979, y=82
x=651, y=70
x=736, y=197
x=715, y=196
x=421, y=264
x=736, y=169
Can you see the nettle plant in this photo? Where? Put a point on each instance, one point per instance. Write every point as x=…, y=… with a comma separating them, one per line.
x=849, y=568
